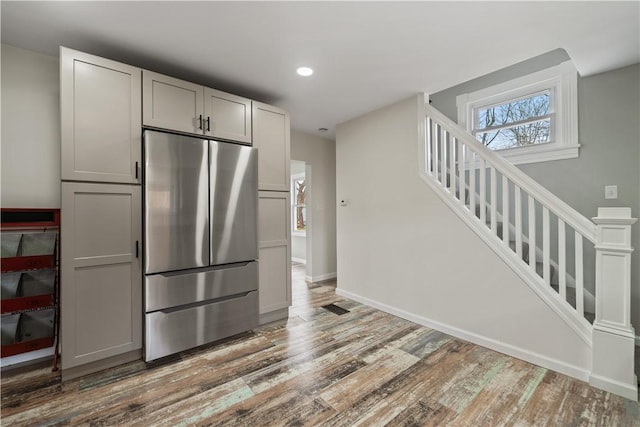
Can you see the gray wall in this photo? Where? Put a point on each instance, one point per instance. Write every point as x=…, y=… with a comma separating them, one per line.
x=30, y=129
x=609, y=134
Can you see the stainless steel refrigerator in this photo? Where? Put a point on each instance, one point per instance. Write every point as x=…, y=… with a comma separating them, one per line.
x=200, y=252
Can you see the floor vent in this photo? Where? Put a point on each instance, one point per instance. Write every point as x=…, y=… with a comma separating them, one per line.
x=335, y=309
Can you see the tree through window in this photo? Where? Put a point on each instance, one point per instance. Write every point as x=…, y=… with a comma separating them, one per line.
x=299, y=188
x=517, y=123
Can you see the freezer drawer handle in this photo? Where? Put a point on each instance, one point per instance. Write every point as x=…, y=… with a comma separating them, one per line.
x=200, y=121
x=137, y=251
x=196, y=304
x=208, y=124
x=136, y=170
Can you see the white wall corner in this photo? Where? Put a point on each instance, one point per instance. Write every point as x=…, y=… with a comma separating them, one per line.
x=422, y=101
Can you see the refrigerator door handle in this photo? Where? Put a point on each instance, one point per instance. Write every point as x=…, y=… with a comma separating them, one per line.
x=137, y=249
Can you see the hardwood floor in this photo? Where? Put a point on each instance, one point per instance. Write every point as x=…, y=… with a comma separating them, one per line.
x=363, y=367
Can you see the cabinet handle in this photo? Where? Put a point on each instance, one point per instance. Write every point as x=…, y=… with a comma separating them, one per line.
x=200, y=121
x=208, y=124
x=137, y=252
x=136, y=170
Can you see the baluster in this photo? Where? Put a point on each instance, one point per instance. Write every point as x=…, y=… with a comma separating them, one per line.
x=546, y=264
x=472, y=181
x=518, y=205
x=462, y=165
x=452, y=164
x=429, y=146
x=562, y=260
x=505, y=210
x=532, y=233
x=443, y=159
x=436, y=151
x=579, y=276
x=494, y=201
x=483, y=192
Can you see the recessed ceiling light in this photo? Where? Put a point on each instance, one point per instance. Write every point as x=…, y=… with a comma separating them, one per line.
x=304, y=71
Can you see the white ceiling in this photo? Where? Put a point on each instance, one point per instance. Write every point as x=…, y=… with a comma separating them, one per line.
x=365, y=54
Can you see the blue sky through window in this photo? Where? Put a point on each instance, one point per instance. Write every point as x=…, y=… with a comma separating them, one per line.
x=516, y=123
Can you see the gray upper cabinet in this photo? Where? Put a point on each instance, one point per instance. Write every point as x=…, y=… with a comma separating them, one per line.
x=227, y=116
x=271, y=135
x=174, y=104
x=100, y=107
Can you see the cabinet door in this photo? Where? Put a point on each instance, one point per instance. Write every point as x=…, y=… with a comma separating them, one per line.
x=271, y=136
x=274, y=222
x=101, y=276
x=100, y=104
x=172, y=104
x=227, y=116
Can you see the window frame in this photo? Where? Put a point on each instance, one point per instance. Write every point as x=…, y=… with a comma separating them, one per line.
x=294, y=205
x=562, y=82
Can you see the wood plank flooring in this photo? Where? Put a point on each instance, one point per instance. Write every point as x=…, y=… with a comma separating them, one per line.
x=363, y=367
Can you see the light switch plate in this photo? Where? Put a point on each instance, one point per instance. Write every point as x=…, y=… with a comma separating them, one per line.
x=610, y=191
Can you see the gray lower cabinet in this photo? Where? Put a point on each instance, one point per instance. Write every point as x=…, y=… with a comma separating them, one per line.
x=101, y=275
x=274, y=228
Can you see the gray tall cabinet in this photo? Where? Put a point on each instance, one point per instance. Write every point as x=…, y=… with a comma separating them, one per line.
x=104, y=106
x=101, y=133
x=272, y=138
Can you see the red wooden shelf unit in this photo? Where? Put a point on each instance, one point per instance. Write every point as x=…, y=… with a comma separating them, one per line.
x=29, y=279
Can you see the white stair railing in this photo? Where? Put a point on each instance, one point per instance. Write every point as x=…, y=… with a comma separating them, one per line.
x=543, y=239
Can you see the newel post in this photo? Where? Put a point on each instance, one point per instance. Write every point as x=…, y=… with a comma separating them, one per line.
x=613, y=334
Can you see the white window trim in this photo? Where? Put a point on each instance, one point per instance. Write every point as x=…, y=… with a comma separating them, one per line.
x=563, y=80
x=295, y=232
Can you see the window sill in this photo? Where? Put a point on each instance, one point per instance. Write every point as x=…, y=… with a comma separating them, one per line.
x=539, y=153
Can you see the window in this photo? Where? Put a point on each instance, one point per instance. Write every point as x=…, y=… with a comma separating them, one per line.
x=529, y=119
x=299, y=209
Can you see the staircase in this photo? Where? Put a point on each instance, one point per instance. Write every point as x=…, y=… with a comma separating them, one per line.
x=578, y=267
x=570, y=293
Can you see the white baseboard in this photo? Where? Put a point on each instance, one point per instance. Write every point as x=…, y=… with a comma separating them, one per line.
x=320, y=277
x=508, y=349
x=299, y=260
x=272, y=316
x=616, y=387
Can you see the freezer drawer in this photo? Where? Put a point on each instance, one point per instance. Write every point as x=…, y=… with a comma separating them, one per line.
x=173, y=330
x=186, y=287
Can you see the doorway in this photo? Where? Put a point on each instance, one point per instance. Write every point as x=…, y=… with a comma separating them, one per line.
x=301, y=219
